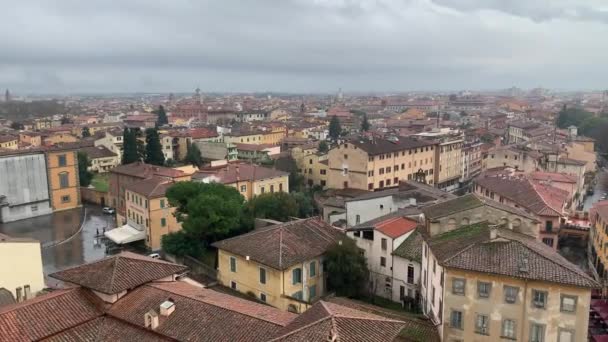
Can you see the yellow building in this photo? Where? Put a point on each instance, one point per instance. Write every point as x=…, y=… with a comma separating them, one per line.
x=486, y=283
x=245, y=138
x=250, y=180
x=598, y=239
x=274, y=135
x=281, y=265
x=374, y=163
x=314, y=167
x=58, y=138
x=148, y=210
x=21, y=269
x=62, y=171
x=33, y=139
x=9, y=142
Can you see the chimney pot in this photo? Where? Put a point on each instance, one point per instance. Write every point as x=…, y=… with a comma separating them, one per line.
x=167, y=307
x=19, y=294
x=26, y=292
x=151, y=320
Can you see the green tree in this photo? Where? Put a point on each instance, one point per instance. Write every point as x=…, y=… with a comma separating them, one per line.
x=154, y=150
x=572, y=116
x=278, y=206
x=323, y=147
x=16, y=125
x=65, y=120
x=304, y=202
x=208, y=212
x=181, y=244
x=346, y=269
x=130, y=153
x=162, y=116
x=85, y=132
x=334, y=128
x=193, y=155
x=365, y=124
x=84, y=174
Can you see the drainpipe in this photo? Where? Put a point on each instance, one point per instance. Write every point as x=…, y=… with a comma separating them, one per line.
x=524, y=309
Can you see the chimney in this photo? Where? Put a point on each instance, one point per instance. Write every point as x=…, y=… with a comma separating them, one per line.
x=412, y=201
x=493, y=232
x=151, y=320
x=27, y=292
x=167, y=307
x=19, y=296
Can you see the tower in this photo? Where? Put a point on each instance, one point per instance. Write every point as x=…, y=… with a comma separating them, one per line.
x=340, y=95
x=197, y=96
x=7, y=96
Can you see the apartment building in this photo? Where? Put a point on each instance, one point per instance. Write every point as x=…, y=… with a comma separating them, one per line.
x=448, y=157
x=281, y=265
x=112, y=140
x=597, y=244
x=8, y=142
x=149, y=215
x=250, y=180
x=377, y=163
x=471, y=161
x=520, y=158
x=314, y=167
x=379, y=239
x=487, y=283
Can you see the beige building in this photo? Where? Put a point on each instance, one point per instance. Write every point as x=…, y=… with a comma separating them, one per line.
x=485, y=283
x=9, y=142
x=101, y=158
x=313, y=166
x=148, y=210
x=448, y=157
x=370, y=164
x=520, y=158
x=267, y=264
x=21, y=268
x=250, y=180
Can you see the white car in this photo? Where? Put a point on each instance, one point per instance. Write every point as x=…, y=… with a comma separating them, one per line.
x=108, y=210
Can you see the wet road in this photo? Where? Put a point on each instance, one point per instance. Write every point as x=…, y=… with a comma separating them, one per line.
x=63, y=243
x=601, y=187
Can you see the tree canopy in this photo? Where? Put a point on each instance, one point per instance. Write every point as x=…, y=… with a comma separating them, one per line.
x=323, y=147
x=129, y=147
x=572, y=116
x=208, y=212
x=84, y=175
x=85, y=132
x=335, y=129
x=346, y=269
x=193, y=155
x=365, y=124
x=278, y=206
x=162, y=116
x=154, y=150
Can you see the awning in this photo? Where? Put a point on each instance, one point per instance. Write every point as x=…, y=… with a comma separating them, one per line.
x=125, y=234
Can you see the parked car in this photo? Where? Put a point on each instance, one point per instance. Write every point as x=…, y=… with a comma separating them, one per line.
x=108, y=210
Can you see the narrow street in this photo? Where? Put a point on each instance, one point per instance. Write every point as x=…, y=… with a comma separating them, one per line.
x=63, y=243
x=601, y=188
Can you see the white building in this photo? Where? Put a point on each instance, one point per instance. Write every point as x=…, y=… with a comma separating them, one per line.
x=389, y=273
x=112, y=141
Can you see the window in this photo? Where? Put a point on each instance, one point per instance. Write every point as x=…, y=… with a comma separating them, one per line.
x=324, y=172
x=64, y=180
x=456, y=319
x=163, y=222
x=232, y=264
x=482, y=325
x=433, y=295
x=357, y=234
x=410, y=274
x=263, y=297
x=370, y=173
x=65, y=199
x=383, y=243
x=62, y=160
x=565, y=335
x=511, y=293
x=370, y=186
x=281, y=184
x=483, y=289
x=537, y=332
x=458, y=286
x=388, y=182
x=396, y=180
x=368, y=235
x=243, y=188
x=162, y=203
x=381, y=184
x=388, y=169
x=539, y=299
x=508, y=328
x=346, y=156
x=146, y=204
x=568, y=303
x=262, y=275
x=312, y=269
x=262, y=190
x=381, y=171
x=401, y=292
x=272, y=186
x=312, y=292
x=233, y=285
x=296, y=276
x=434, y=266
x=548, y=226
x=548, y=241
x=383, y=261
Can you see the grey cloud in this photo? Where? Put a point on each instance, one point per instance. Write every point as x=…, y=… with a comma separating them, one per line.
x=290, y=45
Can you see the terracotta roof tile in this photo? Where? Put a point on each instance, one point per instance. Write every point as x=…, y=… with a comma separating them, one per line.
x=117, y=273
x=152, y=187
x=282, y=246
x=106, y=329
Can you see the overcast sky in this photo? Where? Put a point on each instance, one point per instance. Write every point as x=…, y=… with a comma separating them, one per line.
x=65, y=46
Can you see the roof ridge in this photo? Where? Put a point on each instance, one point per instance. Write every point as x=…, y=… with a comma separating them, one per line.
x=302, y=327
x=157, y=285
x=113, y=273
x=38, y=299
x=541, y=196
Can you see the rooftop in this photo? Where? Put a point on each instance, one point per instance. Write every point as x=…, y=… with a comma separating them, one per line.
x=282, y=246
x=151, y=188
x=377, y=146
x=510, y=254
x=143, y=170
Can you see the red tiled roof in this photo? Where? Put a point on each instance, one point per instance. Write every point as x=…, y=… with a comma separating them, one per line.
x=553, y=177
x=240, y=172
x=396, y=226
x=117, y=273
x=106, y=329
x=143, y=170
x=47, y=314
x=152, y=187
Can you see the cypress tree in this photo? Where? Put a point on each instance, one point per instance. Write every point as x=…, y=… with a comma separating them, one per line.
x=129, y=147
x=154, y=151
x=334, y=128
x=162, y=116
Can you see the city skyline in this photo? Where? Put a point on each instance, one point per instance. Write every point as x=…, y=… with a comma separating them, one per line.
x=302, y=46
